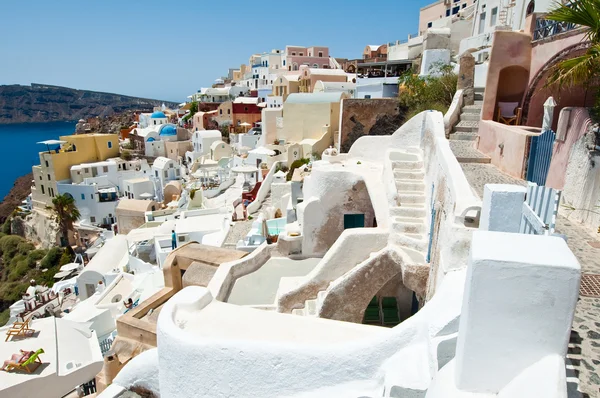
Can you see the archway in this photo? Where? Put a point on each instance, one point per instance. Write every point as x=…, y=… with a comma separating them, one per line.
x=536, y=87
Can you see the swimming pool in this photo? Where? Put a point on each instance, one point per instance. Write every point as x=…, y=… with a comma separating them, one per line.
x=276, y=225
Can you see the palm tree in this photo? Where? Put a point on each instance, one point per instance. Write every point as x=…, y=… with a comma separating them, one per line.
x=66, y=214
x=581, y=70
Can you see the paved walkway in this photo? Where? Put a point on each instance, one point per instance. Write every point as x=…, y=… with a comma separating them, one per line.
x=584, y=347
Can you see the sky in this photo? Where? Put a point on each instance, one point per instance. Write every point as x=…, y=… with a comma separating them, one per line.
x=168, y=50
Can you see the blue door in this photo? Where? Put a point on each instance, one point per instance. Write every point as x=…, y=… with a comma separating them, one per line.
x=540, y=155
x=354, y=221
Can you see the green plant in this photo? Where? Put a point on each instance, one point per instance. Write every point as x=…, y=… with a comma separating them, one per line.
x=193, y=193
x=6, y=227
x=282, y=167
x=4, y=317
x=581, y=70
x=67, y=256
x=295, y=164
x=52, y=258
x=126, y=155
x=316, y=156
x=66, y=213
x=434, y=92
x=224, y=133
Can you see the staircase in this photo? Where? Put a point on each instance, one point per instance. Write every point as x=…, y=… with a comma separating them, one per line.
x=465, y=133
x=409, y=232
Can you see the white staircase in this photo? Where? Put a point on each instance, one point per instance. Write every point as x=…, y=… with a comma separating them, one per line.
x=409, y=228
x=466, y=132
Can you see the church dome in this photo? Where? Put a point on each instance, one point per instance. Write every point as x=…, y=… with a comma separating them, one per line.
x=168, y=129
x=158, y=115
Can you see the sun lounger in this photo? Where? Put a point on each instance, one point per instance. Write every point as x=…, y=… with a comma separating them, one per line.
x=19, y=329
x=28, y=366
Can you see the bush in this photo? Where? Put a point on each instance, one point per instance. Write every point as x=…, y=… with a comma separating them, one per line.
x=9, y=246
x=295, y=165
x=67, y=256
x=36, y=255
x=25, y=247
x=4, y=317
x=126, y=155
x=19, y=271
x=6, y=227
x=52, y=258
x=418, y=94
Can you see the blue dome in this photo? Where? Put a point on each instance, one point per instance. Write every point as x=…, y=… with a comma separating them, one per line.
x=168, y=129
x=158, y=115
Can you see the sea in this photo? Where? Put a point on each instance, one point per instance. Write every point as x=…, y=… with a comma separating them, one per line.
x=21, y=148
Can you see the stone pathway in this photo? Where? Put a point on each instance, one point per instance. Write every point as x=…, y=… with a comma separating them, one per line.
x=584, y=346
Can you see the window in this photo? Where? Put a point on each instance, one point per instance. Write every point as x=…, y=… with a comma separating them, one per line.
x=48, y=177
x=92, y=196
x=448, y=12
x=494, y=16
x=301, y=54
x=284, y=62
x=220, y=111
x=156, y=173
x=229, y=111
x=86, y=170
x=82, y=196
x=481, y=22
x=320, y=54
x=464, y=5
x=315, y=66
x=455, y=10
x=367, y=96
x=293, y=53
x=245, y=109
x=166, y=173
x=105, y=169
x=177, y=173
x=429, y=24
x=43, y=193
x=109, y=144
x=40, y=177
x=171, y=165
x=92, y=219
x=47, y=165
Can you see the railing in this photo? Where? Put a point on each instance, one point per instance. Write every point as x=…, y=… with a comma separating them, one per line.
x=545, y=28
x=105, y=345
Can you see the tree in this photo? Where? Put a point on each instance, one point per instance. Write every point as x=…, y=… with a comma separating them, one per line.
x=66, y=213
x=418, y=94
x=583, y=69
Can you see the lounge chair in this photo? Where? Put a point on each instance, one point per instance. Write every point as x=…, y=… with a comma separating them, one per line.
x=509, y=113
x=19, y=329
x=34, y=360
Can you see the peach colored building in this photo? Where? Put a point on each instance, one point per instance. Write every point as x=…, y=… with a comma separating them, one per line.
x=310, y=76
x=438, y=10
x=375, y=52
x=286, y=84
x=314, y=57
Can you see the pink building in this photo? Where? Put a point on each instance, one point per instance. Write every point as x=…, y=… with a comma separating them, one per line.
x=314, y=57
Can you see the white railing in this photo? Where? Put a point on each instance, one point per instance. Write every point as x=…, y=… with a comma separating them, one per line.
x=539, y=210
x=453, y=114
x=263, y=191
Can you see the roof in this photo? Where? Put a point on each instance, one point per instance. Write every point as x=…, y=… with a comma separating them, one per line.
x=217, y=91
x=246, y=100
x=335, y=86
x=208, y=255
x=168, y=130
x=313, y=98
x=373, y=47
x=208, y=134
x=161, y=162
x=215, y=144
x=137, y=180
x=135, y=205
x=326, y=72
x=158, y=115
x=113, y=255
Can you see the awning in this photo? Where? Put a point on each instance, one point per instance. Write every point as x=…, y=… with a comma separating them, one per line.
x=52, y=142
x=262, y=151
x=244, y=169
x=62, y=274
x=70, y=267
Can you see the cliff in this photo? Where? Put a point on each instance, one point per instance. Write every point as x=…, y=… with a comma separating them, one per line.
x=18, y=192
x=45, y=103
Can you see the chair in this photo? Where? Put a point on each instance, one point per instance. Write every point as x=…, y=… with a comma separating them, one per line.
x=19, y=329
x=372, y=314
x=33, y=360
x=509, y=113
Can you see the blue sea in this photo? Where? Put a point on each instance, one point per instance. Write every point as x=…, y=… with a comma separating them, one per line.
x=21, y=150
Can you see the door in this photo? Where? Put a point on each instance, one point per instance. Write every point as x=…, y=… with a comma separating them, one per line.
x=354, y=221
x=90, y=289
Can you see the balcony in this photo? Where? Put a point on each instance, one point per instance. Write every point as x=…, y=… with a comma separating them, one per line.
x=545, y=28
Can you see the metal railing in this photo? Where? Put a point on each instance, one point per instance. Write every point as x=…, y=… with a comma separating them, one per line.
x=105, y=345
x=545, y=28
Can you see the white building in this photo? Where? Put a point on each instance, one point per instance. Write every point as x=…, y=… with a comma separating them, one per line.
x=138, y=188
x=165, y=170
x=152, y=119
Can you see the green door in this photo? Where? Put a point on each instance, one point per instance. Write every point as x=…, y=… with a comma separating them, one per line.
x=354, y=221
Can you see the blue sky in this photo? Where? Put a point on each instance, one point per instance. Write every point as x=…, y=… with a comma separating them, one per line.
x=168, y=50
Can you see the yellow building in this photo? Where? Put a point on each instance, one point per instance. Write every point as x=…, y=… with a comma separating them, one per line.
x=56, y=166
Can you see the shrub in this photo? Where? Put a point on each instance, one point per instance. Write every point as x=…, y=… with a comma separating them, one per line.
x=126, y=155
x=295, y=165
x=25, y=247
x=9, y=246
x=6, y=227
x=52, y=258
x=36, y=255
x=418, y=94
x=67, y=256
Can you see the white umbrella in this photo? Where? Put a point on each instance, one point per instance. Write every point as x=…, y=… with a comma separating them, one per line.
x=70, y=267
x=62, y=274
x=146, y=195
x=244, y=169
x=245, y=124
x=262, y=151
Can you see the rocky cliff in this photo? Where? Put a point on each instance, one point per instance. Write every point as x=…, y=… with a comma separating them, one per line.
x=45, y=103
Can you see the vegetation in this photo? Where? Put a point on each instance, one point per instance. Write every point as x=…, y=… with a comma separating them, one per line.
x=295, y=165
x=66, y=213
x=418, y=94
x=126, y=155
x=224, y=133
x=582, y=70
x=193, y=111
x=281, y=167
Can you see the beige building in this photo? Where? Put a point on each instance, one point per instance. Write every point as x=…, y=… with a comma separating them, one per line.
x=311, y=120
x=438, y=10
x=176, y=149
x=131, y=213
x=310, y=76
x=285, y=85
x=55, y=165
x=220, y=150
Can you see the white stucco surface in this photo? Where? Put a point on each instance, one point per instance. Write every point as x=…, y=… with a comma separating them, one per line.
x=502, y=206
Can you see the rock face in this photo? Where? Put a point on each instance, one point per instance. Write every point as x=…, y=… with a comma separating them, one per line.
x=18, y=192
x=45, y=103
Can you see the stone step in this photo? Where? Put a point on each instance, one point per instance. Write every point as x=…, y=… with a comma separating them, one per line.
x=407, y=165
x=310, y=307
x=417, y=242
x=408, y=227
x=409, y=185
x=411, y=198
x=465, y=152
x=470, y=117
x=478, y=101
x=404, y=211
x=472, y=109
x=467, y=126
x=408, y=175
x=298, y=311
x=463, y=136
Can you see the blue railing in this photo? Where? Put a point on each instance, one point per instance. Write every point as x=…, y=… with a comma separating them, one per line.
x=105, y=345
x=545, y=28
